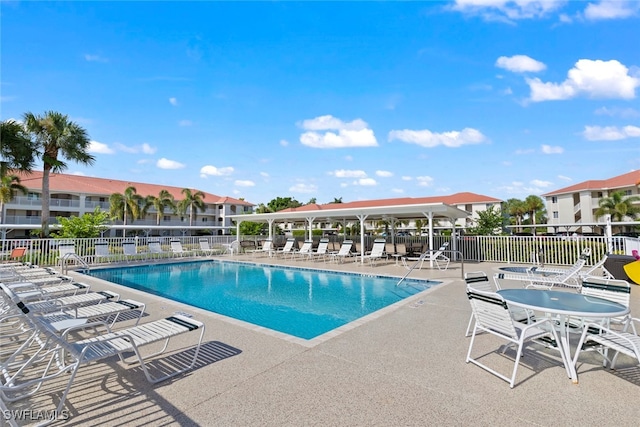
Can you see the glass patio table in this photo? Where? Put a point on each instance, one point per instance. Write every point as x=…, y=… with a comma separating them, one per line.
x=563, y=305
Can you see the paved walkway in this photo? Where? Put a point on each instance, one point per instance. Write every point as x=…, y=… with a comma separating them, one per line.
x=405, y=367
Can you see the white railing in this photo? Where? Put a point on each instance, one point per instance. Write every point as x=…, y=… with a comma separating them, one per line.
x=554, y=250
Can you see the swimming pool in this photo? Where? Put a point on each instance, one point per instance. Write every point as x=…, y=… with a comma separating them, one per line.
x=299, y=302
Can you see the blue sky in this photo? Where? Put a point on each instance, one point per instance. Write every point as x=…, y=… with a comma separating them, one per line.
x=324, y=100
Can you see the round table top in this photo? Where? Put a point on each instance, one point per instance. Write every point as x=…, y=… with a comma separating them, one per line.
x=563, y=302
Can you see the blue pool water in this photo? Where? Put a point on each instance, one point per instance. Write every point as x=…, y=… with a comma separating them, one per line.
x=298, y=302
x=524, y=270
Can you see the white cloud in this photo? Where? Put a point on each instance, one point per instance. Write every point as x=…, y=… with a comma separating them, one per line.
x=100, y=148
x=366, y=182
x=520, y=64
x=244, y=183
x=173, y=101
x=329, y=122
x=384, y=174
x=610, y=133
x=611, y=9
x=548, y=149
x=524, y=151
x=595, y=79
x=344, y=173
x=407, y=178
x=541, y=184
x=428, y=139
x=144, y=161
x=349, y=134
x=147, y=149
x=284, y=142
x=143, y=148
x=424, y=181
x=169, y=164
x=507, y=10
x=264, y=174
x=617, y=111
x=94, y=58
x=564, y=178
x=185, y=123
x=397, y=190
x=303, y=188
x=209, y=170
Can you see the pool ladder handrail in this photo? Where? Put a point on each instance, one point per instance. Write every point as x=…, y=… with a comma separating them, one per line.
x=422, y=256
x=75, y=257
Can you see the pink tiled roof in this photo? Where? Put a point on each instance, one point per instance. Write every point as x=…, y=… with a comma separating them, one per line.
x=453, y=199
x=625, y=180
x=64, y=183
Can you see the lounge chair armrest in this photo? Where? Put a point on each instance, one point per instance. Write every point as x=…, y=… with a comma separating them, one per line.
x=85, y=326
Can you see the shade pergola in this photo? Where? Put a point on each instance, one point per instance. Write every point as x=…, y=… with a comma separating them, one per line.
x=336, y=212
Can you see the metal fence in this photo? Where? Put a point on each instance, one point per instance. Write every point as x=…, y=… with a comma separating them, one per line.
x=555, y=250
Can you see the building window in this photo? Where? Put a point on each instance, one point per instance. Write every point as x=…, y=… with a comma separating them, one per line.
x=166, y=218
x=205, y=219
x=555, y=214
x=488, y=206
x=554, y=199
x=627, y=192
x=32, y=213
x=599, y=194
x=181, y=219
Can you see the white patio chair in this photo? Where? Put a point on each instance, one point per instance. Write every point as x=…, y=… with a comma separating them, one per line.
x=613, y=290
x=155, y=249
x=493, y=317
x=266, y=249
x=479, y=281
x=605, y=339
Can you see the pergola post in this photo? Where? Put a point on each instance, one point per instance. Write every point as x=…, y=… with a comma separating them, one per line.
x=362, y=219
x=310, y=220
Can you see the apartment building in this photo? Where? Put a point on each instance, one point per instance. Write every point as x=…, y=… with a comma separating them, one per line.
x=577, y=203
x=73, y=195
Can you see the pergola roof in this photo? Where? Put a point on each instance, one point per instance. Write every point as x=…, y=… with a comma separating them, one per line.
x=335, y=211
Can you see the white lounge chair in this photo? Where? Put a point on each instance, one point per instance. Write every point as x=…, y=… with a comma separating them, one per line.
x=155, y=249
x=322, y=250
x=205, y=248
x=437, y=257
x=305, y=251
x=568, y=278
x=129, y=250
x=287, y=249
x=102, y=253
x=266, y=249
x=344, y=252
x=178, y=250
x=377, y=251
x=58, y=355
x=492, y=316
x=59, y=320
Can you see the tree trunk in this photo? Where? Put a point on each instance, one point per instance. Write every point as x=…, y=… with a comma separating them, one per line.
x=45, y=201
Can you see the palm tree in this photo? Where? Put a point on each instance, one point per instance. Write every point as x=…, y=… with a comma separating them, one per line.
x=17, y=149
x=126, y=205
x=9, y=187
x=56, y=136
x=160, y=203
x=533, y=205
x=618, y=206
x=516, y=209
x=192, y=202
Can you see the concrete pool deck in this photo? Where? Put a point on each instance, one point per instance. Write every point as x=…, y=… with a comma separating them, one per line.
x=403, y=367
